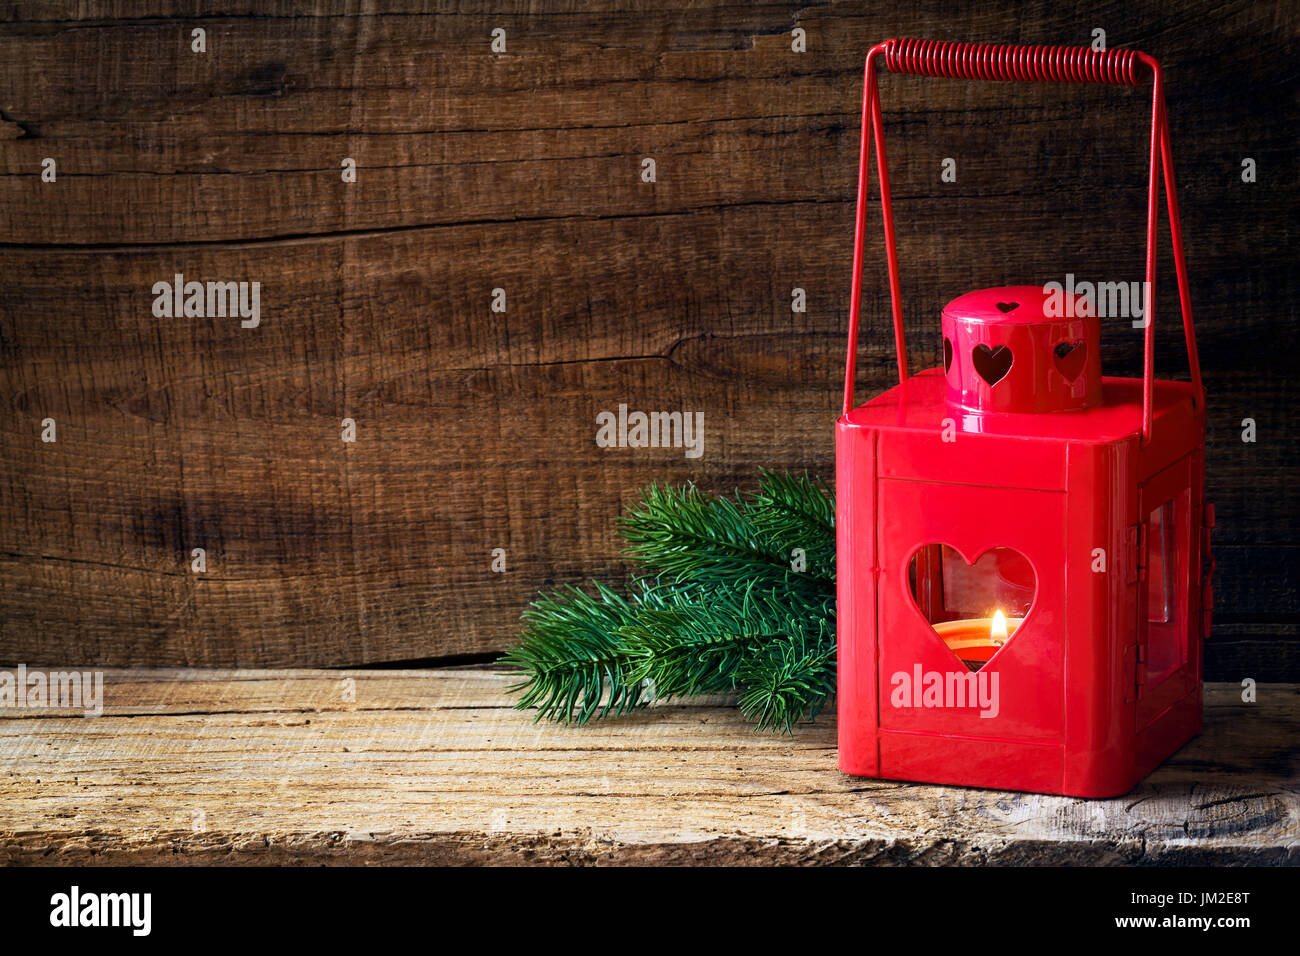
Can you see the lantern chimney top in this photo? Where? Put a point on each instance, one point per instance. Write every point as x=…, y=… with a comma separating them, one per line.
x=1019, y=349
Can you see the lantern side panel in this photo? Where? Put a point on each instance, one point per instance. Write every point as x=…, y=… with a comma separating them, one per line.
x=1067, y=491
x=855, y=548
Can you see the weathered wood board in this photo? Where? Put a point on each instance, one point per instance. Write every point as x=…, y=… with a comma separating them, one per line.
x=205, y=767
x=522, y=171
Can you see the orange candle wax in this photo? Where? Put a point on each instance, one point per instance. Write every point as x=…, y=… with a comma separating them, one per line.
x=975, y=640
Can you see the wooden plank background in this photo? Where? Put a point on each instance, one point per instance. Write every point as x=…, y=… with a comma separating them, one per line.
x=521, y=171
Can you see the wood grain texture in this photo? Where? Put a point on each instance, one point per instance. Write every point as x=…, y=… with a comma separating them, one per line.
x=240, y=767
x=520, y=171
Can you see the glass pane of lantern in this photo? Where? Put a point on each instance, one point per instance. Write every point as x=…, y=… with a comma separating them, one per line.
x=1158, y=559
x=974, y=608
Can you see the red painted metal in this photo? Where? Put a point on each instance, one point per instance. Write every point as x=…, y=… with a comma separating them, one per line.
x=1037, y=362
x=1015, y=478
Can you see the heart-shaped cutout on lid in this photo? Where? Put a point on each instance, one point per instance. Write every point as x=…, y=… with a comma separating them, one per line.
x=1070, y=358
x=947, y=354
x=974, y=607
x=992, y=364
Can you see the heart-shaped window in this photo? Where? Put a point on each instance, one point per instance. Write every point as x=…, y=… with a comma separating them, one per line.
x=991, y=363
x=1070, y=358
x=976, y=607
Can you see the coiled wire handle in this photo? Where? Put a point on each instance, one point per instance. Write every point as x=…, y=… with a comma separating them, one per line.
x=982, y=61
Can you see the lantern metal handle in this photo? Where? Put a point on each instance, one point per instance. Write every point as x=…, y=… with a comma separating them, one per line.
x=982, y=61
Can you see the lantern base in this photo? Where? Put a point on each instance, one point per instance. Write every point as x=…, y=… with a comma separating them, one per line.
x=1026, y=767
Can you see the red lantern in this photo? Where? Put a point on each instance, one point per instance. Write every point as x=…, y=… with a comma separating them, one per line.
x=1020, y=539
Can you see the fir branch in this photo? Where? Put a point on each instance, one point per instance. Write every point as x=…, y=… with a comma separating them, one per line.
x=679, y=533
x=798, y=512
x=571, y=657
x=687, y=539
x=720, y=608
x=788, y=681
x=696, y=644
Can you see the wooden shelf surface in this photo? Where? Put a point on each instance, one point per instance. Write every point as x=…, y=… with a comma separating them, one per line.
x=414, y=767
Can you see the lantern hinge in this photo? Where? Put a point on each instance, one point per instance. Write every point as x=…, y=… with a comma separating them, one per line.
x=1136, y=563
x=1135, y=670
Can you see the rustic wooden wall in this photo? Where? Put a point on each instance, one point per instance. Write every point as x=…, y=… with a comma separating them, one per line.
x=521, y=171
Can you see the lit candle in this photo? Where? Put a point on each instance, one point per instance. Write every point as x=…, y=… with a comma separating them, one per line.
x=998, y=630
x=975, y=640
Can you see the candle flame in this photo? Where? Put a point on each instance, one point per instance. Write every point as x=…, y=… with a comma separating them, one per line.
x=998, y=632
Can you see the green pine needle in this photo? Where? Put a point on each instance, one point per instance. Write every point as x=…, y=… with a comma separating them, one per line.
x=572, y=657
x=788, y=680
x=738, y=595
x=698, y=644
x=799, y=512
x=679, y=533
